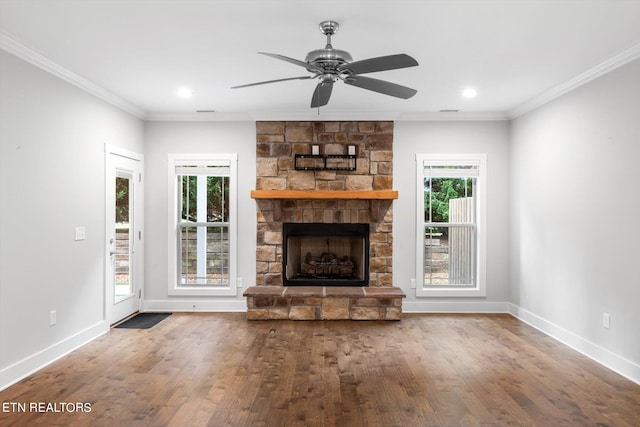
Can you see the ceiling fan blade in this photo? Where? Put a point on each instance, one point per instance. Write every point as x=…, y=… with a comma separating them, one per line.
x=322, y=94
x=273, y=81
x=310, y=67
x=381, y=86
x=381, y=63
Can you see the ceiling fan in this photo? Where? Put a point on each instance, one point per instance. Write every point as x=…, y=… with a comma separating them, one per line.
x=330, y=65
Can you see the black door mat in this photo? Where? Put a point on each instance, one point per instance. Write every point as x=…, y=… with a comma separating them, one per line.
x=143, y=320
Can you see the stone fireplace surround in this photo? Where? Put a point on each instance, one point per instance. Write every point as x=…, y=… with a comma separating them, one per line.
x=276, y=145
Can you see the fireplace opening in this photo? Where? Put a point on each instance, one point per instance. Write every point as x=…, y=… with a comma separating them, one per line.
x=325, y=254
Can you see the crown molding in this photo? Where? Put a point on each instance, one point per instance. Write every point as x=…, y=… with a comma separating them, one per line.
x=310, y=116
x=16, y=48
x=199, y=117
x=305, y=116
x=324, y=114
x=380, y=116
x=461, y=116
x=593, y=73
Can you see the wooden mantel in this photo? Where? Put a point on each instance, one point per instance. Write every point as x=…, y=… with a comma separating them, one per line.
x=325, y=194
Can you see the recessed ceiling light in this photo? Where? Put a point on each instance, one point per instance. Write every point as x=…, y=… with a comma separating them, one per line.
x=184, y=92
x=469, y=93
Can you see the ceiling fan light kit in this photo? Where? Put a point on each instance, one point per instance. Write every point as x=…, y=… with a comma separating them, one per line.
x=329, y=65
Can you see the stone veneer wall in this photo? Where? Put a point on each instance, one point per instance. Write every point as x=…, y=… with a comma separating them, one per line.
x=278, y=142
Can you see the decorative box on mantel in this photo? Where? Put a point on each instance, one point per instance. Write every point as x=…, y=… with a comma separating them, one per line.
x=328, y=162
x=358, y=192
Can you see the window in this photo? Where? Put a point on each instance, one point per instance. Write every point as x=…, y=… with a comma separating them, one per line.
x=202, y=225
x=450, y=244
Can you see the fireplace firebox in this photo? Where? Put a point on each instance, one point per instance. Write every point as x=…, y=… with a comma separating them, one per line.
x=319, y=254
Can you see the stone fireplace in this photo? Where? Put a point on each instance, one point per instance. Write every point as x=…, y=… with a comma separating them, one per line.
x=331, y=200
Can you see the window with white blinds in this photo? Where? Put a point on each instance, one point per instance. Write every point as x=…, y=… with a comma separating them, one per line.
x=202, y=167
x=203, y=226
x=450, y=224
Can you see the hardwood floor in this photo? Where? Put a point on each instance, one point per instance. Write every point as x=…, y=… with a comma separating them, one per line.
x=219, y=369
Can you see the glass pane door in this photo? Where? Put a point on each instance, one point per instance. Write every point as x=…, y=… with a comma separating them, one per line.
x=123, y=243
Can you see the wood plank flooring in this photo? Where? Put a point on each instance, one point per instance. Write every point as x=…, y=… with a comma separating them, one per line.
x=218, y=369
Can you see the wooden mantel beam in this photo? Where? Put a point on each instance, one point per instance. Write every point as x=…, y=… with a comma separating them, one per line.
x=325, y=194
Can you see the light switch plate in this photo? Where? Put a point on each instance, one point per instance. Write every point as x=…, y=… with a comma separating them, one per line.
x=81, y=233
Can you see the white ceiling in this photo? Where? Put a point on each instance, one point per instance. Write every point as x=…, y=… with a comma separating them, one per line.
x=136, y=53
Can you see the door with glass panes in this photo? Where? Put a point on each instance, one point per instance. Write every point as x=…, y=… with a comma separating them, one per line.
x=123, y=270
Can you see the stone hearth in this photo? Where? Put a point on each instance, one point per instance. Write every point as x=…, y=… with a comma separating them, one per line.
x=323, y=303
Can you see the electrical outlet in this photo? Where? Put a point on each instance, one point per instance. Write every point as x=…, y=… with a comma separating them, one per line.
x=52, y=317
x=239, y=282
x=81, y=233
x=606, y=320
x=412, y=283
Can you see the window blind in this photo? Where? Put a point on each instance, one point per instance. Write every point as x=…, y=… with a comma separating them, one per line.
x=203, y=167
x=451, y=169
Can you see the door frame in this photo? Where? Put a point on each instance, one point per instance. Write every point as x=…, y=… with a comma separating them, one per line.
x=114, y=157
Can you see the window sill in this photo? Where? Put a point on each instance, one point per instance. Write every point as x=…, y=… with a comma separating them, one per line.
x=203, y=291
x=450, y=292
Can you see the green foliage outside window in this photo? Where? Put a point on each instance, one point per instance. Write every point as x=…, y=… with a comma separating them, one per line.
x=438, y=192
x=217, y=198
x=122, y=200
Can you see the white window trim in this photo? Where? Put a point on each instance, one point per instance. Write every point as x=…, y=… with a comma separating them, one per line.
x=201, y=158
x=481, y=254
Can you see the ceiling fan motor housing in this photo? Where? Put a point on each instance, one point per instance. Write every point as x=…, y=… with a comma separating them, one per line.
x=328, y=59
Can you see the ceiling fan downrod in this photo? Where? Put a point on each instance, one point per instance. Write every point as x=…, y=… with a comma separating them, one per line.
x=329, y=28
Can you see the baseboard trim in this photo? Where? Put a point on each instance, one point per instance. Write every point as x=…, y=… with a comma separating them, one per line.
x=454, y=307
x=607, y=358
x=27, y=366
x=192, y=305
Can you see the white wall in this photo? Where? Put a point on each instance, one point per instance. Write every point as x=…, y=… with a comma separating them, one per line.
x=52, y=137
x=490, y=137
x=575, y=208
x=196, y=137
